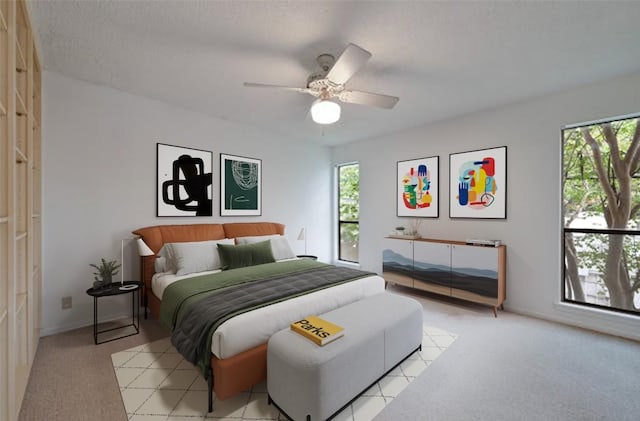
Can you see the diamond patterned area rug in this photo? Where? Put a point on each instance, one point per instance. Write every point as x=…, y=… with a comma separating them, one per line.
x=157, y=384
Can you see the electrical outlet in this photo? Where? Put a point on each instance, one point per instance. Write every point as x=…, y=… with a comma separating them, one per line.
x=66, y=302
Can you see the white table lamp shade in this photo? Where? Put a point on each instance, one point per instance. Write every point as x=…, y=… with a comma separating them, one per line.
x=143, y=248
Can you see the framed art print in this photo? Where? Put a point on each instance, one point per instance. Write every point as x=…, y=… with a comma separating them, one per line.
x=478, y=184
x=184, y=181
x=240, y=186
x=417, y=182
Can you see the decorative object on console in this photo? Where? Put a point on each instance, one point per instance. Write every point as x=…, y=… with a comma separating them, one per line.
x=143, y=250
x=407, y=234
x=478, y=184
x=415, y=227
x=104, y=273
x=482, y=242
x=240, y=186
x=184, y=181
x=418, y=187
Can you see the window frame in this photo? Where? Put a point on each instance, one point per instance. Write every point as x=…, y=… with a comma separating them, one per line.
x=568, y=230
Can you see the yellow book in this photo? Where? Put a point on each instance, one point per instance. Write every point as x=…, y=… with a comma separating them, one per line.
x=318, y=330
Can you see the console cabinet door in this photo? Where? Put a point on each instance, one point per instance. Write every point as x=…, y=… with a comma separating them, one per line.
x=432, y=267
x=474, y=273
x=397, y=261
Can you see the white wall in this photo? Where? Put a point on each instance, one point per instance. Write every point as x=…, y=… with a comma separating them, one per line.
x=531, y=132
x=99, y=162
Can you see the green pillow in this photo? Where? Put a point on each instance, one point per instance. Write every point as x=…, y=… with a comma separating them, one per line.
x=243, y=255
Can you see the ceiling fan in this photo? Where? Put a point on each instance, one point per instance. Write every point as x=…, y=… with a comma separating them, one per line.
x=329, y=83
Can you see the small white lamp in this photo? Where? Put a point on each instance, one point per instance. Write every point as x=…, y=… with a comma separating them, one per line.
x=303, y=236
x=143, y=250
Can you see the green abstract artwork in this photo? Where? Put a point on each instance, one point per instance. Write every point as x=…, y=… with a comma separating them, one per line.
x=240, y=186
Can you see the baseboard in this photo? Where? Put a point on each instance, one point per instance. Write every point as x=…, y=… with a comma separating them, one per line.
x=80, y=324
x=615, y=324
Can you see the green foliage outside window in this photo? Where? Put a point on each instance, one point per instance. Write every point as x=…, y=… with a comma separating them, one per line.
x=349, y=210
x=349, y=192
x=601, y=182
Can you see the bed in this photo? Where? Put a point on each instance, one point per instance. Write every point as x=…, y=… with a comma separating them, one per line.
x=236, y=350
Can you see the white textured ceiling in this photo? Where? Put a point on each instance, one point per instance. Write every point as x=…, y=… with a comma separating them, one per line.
x=442, y=59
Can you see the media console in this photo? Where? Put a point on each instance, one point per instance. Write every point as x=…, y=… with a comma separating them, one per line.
x=470, y=272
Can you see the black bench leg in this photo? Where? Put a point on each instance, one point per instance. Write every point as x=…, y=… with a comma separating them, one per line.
x=210, y=388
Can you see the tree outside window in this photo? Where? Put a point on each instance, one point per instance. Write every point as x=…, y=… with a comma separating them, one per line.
x=348, y=212
x=601, y=201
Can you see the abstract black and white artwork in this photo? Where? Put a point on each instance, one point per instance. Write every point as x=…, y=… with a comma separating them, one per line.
x=184, y=183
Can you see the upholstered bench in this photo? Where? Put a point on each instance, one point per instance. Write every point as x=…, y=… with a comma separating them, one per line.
x=307, y=381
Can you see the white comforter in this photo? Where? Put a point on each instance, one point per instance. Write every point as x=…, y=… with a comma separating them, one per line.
x=255, y=327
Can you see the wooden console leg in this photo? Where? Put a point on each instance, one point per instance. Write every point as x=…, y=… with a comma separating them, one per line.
x=495, y=311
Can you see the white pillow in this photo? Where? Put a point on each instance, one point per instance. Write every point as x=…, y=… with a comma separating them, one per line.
x=160, y=264
x=193, y=257
x=279, y=245
x=256, y=238
x=163, y=261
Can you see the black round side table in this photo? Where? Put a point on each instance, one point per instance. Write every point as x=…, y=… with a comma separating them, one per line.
x=133, y=288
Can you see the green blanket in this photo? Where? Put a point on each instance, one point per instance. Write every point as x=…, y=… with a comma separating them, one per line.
x=179, y=295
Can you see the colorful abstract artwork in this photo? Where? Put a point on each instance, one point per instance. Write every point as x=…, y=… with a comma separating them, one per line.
x=478, y=184
x=417, y=187
x=184, y=181
x=240, y=186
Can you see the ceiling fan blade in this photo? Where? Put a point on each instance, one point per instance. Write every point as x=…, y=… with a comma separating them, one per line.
x=288, y=88
x=349, y=62
x=367, y=98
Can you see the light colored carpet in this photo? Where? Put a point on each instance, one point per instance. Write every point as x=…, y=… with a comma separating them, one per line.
x=507, y=368
x=157, y=384
x=515, y=368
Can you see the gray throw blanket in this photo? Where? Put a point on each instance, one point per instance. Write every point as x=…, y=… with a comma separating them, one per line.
x=193, y=332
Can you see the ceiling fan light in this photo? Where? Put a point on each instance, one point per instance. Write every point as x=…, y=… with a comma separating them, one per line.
x=324, y=111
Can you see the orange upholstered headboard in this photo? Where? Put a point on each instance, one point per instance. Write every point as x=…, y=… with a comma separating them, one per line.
x=249, y=229
x=157, y=236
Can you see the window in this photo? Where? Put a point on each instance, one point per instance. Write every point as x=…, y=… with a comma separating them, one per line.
x=600, y=205
x=348, y=212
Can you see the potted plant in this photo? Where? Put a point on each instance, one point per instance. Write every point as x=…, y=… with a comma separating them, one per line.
x=104, y=272
x=399, y=230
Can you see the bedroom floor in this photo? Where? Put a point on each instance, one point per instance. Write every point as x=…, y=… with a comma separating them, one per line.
x=158, y=385
x=509, y=368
